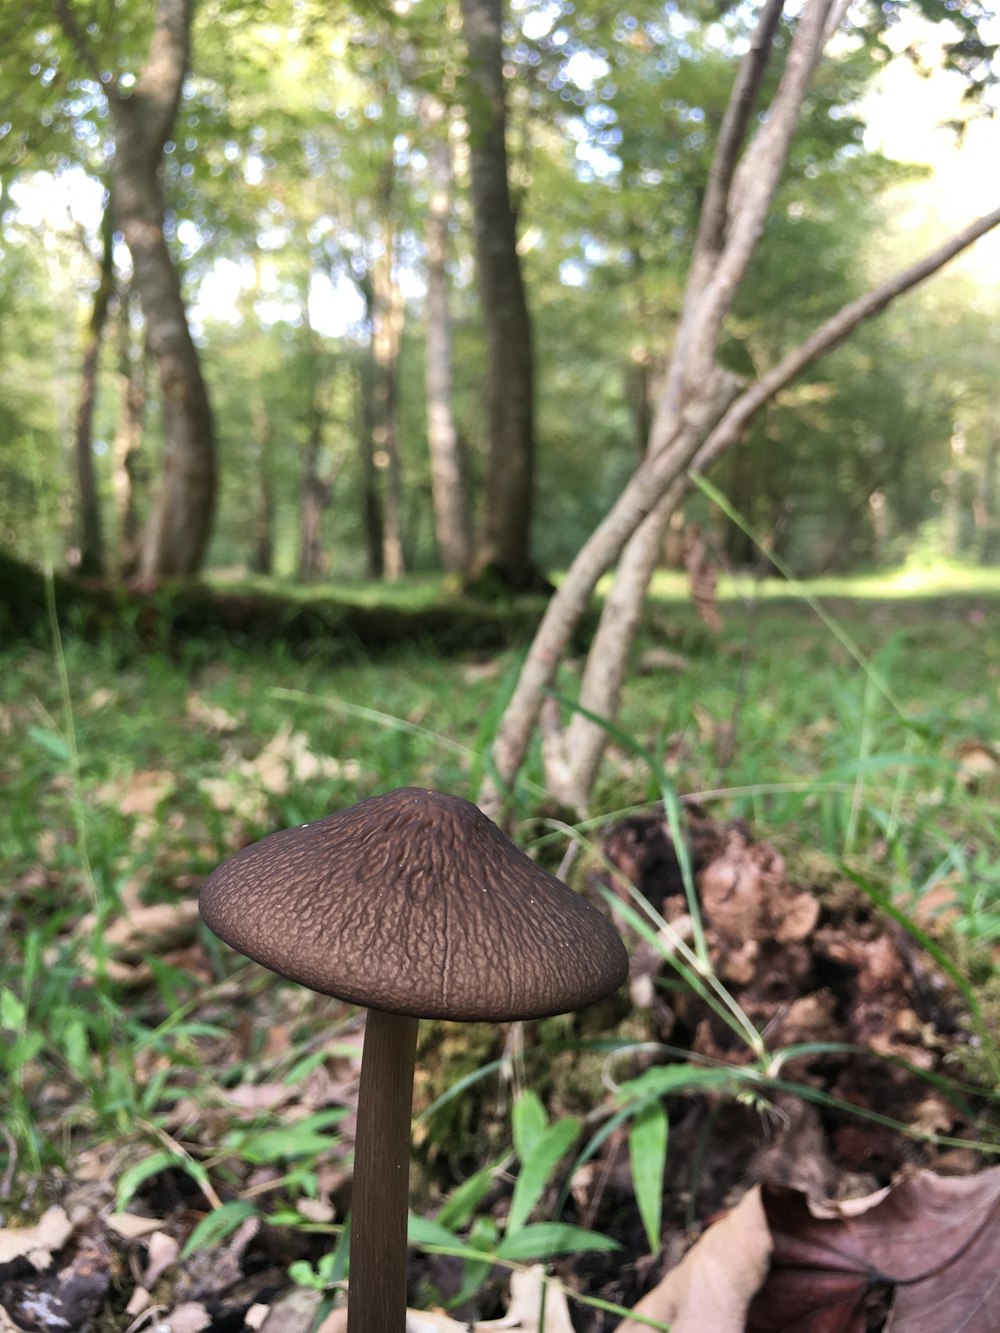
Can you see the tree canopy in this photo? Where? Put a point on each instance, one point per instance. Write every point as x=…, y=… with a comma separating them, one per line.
x=297, y=183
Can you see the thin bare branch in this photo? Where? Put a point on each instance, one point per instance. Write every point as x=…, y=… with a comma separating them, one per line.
x=837, y=15
x=754, y=185
x=661, y=480
x=732, y=133
x=715, y=276
x=831, y=334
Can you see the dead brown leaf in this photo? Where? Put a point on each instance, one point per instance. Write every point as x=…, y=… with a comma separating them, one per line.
x=139, y=793
x=978, y=762
x=130, y=1226
x=213, y=718
x=284, y=760
x=528, y=1300
x=162, y=1252
x=36, y=1243
x=294, y=1312
x=747, y=895
x=191, y=1317
x=933, y=1241
x=66, y=1296
x=713, y=1285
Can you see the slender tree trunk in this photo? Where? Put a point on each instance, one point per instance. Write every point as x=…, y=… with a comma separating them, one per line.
x=179, y=528
x=986, y=504
x=726, y=241
x=371, y=495
x=452, y=521
x=316, y=491
x=387, y=337
x=262, y=557
x=505, y=523
x=128, y=435
x=701, y=412
x=91, y=536
x=639, y=376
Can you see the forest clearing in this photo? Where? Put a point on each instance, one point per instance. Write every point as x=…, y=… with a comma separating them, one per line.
x=499, y=672
x=153, y=1085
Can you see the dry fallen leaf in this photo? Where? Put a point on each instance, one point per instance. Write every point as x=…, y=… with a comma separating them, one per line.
x=191, y=1317
x=37, y=1243
x=713, y=1285
x=284, y=760
x=130, y=1226
x=65, y=1297
x=933, y=1241
x=212, y=717
x=527, y=1294
x=162, y=1252
x=294, y=1312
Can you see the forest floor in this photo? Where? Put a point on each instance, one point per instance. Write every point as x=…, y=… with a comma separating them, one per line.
x=176, y=1138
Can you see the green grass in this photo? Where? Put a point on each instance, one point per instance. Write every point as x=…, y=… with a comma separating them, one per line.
x=855, y=745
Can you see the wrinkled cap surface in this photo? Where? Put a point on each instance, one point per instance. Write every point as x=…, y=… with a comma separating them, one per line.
x=414, y=902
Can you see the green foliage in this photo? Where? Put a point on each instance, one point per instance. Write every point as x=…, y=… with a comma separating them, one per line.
x=300, y=146
x=825, y=759
x=647, y=1146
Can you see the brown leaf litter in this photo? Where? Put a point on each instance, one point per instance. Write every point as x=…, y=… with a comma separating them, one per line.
x=846, y=1221
x=808, y=963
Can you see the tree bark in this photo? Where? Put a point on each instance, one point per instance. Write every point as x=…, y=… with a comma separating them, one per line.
x=91, y=535
x=371, y=495
x=986, y=517
x=452, y=521
x=128, y=435
x=504, y=545
x=179, y=528
x=316, y=489
x=734, y=212
x=387, y=337
x=262, y=556
x=664, y=477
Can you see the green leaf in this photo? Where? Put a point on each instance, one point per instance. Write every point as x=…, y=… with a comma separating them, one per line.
x=133, y=1176
x=52, y=743
x=528, y=1121
x=22, y=1050
x=304, y=1139
x=463, y=1201
x=544, y=1239
x=217, y=1225
x=647, y=1145
x=12, y=1011
x=483, y=1236
x=164, y=1160
x=536, y=1168
x=77, y=1048
x=425, y=1231
x=663, y=1080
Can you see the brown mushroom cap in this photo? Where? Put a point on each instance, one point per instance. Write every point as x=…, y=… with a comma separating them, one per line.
x=414, y=902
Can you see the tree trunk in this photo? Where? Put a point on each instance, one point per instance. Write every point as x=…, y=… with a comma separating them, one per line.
x=371, y=495
x=316, y=491
x=387, y=336
x=701, y=412
x=452, y=521
x=986, y=506
x=128, y=436
x=177, y=535
x=505, y=523
x=262, y=557
x=91, y=538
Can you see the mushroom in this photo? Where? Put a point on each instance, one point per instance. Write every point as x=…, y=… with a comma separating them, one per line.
x=415, y=905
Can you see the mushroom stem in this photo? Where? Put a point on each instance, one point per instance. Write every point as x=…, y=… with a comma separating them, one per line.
x=377, y=1288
